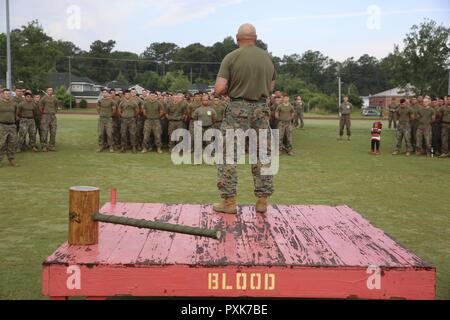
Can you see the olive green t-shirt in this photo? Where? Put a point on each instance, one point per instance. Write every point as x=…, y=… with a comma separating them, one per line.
x=285, y=112
x=50, y=104
x=404, y=114
x=205, y=115
x=346, y=108
x=176, y=111
x=106, y=107
x=250, y=72
x=393, y=108
x=129, y=108
x=27, y=109
x=445, y=113
x=18, y=100
x=153, y=109
x=8, y=111
x=425, y=116
x=194, y=106
x=415, y=109
x=220, y=111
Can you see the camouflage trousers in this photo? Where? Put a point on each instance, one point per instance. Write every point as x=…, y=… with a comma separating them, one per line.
x=244, y=115
x=414, y=125
x=27, y=126
x=445, y=134
x=403, y=133
x=299, y=120
x=345, y=122
x=8, y=140
x=116, y=131
x=48, y=123
x=423, y=133
x=285, y=128
x=152, y=126
x=105, y=132
x=436, y=134
x=174, y=125
x=392, y=119
x=140, y=123
x=128, y=126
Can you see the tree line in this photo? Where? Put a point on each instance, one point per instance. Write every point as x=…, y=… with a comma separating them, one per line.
x=422, y=62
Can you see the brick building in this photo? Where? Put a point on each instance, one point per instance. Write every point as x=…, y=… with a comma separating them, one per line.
x=385, y=98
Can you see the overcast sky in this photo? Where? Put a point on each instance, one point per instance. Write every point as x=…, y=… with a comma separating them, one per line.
x=339, y=29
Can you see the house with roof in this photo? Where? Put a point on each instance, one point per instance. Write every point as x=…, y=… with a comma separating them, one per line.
x=385, y=98
x=81, y=88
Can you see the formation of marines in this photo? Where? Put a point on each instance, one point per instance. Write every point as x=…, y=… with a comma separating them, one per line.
x=423, y=124
x=143, y=123
x=24, y=116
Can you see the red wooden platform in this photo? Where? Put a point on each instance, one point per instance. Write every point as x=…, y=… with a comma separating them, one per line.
x=292, y=252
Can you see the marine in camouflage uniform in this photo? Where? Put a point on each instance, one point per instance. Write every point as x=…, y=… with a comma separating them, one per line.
x=197, y=103
x=436, y=129
x=415, y=106
x=299, y=113
x=153, y=110
x=176, y=113
x=37, y=114
x=444, y=112
x=8, y=129
x=116, y=121
x=219, y=107
x=276, y=101
x=106, y=107
x=393, y=115
x=27, y=110
x=404, y=116
x=425, y=116
x=285, y=113
x=345, y=112
x=18, y=99
x=139, y=121
x=128, y=112
x=247, y=75
x=49, y=123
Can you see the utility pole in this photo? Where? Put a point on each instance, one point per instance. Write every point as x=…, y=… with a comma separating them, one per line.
x=70, y=82
x=8, y=49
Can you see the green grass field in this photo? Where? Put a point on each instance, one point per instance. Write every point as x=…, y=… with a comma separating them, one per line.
x=406, y=197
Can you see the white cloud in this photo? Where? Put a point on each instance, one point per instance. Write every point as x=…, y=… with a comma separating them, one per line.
x=182, y=11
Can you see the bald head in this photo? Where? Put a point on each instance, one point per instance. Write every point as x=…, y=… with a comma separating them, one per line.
x=246, y=32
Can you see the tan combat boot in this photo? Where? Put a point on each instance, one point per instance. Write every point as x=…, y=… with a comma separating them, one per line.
x=13, y=163
x=228, y=205
x=160, y=151
x=261, y=205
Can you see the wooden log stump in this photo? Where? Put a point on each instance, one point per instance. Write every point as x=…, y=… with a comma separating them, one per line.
x=84, y=201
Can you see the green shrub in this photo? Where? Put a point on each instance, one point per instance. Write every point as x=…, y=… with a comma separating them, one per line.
x=83, y=104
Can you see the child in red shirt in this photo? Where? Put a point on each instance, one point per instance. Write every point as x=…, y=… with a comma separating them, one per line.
x=376, y=138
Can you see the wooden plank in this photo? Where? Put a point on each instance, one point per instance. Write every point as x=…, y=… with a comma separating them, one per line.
x=348, y=245
x=258, y=241
x=215, y=252
x=133, y=239
x=306, y=246
x=245, y=281
x=184, y=247
x=381, y=242
x=157, y=246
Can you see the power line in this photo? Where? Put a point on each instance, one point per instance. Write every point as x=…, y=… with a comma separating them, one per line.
x=143, y=60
